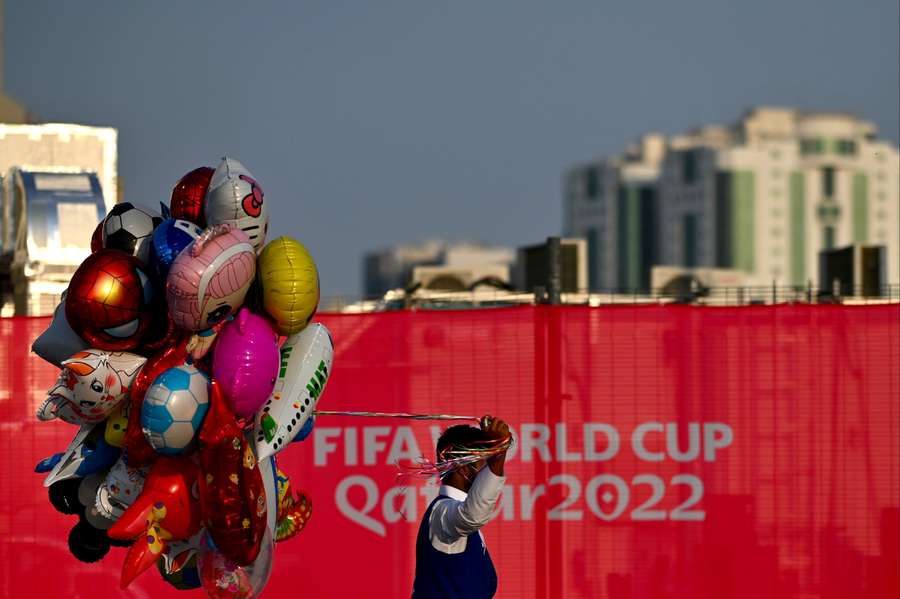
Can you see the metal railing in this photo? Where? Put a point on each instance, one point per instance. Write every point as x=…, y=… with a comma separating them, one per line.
x=424, y=299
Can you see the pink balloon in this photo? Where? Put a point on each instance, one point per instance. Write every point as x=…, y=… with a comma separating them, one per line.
x=245, y=362
x=209, y=280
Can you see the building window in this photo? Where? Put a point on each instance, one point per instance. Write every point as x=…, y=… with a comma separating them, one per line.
x=649, y=233
x=591, y=183
x=689, y=166
x=689, y=237
x=593, y=248
x=812, y=146
x=829, y=212
x=828, y=181
x=845, y=147
x=828, y=238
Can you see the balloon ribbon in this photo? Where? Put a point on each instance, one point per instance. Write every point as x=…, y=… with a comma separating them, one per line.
x=396, y=415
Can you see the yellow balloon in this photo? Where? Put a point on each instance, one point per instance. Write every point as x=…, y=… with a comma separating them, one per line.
x=290, y=284
x=116, y=423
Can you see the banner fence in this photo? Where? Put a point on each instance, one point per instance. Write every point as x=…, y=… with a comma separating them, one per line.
x=668, y=452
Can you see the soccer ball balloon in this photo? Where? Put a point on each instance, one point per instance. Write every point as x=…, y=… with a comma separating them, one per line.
x=169, y=238
x=174, y=408
x=129, y=229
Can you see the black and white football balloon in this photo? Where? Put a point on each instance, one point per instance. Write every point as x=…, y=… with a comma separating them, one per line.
x=130, y=229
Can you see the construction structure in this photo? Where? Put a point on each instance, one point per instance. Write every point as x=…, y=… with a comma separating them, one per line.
x=58, y=180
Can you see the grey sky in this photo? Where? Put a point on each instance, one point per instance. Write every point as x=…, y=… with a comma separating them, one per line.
x=375, y=122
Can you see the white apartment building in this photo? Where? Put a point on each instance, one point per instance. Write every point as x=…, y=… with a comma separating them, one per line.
x=763, y=196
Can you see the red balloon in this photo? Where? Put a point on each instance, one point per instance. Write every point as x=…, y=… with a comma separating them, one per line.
x=188, y=194
x=164, y=333
x=232, y=497
x=97, y=237
x=165, y=510
x=139, y=452
x=109, y=301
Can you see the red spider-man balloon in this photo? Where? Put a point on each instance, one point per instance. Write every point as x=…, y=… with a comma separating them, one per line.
x=108, y=303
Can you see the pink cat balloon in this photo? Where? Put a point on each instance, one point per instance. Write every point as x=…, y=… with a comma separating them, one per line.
x=245, y=362
x=209, y=280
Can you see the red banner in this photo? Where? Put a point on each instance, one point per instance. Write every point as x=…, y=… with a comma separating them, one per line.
x=662, y=451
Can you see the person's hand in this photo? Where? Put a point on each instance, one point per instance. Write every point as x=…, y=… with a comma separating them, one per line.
x=495, y=428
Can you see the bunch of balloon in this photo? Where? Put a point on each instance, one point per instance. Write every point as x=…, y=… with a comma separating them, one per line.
x=188, y=359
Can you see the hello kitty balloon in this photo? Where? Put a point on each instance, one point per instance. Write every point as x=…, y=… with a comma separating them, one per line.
x=234, y=197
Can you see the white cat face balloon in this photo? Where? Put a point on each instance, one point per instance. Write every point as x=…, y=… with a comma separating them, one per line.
x=235, y=197
x=119, y=489
x=90, y=386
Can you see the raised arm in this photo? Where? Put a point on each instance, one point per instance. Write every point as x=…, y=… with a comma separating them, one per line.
x=452, y=520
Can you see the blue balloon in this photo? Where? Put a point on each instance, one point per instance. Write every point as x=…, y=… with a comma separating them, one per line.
x=47, y=464
x=92, y=458
x=169, y=239
x=101, y=457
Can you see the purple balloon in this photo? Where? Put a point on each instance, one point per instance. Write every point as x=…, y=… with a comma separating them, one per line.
x=245, y=362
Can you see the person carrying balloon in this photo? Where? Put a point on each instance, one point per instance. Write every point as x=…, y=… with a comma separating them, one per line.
x=452, y=559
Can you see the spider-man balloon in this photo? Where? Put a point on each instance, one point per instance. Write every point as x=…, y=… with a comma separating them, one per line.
x=188, y=194
x=109, y=301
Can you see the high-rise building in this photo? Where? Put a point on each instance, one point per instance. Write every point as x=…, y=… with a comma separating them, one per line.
x=762, y=196
x=614, y=205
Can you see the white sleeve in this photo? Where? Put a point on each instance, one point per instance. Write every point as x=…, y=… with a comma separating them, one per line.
x=452, y=520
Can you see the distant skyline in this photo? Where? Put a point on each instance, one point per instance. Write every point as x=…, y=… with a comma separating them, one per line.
x=370, y=124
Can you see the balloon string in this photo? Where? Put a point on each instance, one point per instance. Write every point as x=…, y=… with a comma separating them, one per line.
x=396, y=415
x=455, y=457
